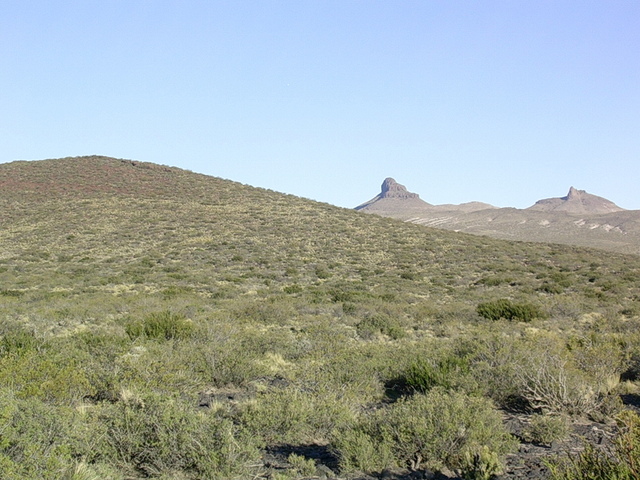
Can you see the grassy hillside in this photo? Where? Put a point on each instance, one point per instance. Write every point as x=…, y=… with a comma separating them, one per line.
x=161, y=323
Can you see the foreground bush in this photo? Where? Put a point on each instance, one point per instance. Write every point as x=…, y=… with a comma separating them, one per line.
x=294, y=416
x=436, y=430
x=621, y=462
x=41, y=441
x=152, y=435
x=534, y=372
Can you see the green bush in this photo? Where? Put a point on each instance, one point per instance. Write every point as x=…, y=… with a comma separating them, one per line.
x=296, y=417
x=15, y=339
x=380, y=323
x=304, y=467
x=480, y=464
x=436, y=430
x=162, y=325
x=37, y=440
x=360, y=450
x=56, y=374
x=504, y=308
x=450, y=372
x=151, y=435
x=546, y=429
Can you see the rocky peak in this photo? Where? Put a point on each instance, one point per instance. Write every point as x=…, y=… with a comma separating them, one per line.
x=392, y=189
x=394, y=197
x=573, y=194
x=577, y=202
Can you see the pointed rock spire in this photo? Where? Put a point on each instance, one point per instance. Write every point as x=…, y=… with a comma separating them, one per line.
x=394, y=197
x=573, y=193
x=392, y=189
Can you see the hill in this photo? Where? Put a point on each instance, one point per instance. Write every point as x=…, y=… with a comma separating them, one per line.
x=577, y=202
x=394, y=200
x=158, y=323
x=579, y=218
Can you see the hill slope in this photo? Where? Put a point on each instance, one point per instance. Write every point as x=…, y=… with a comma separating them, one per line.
x=161, y=323
x=579, y=218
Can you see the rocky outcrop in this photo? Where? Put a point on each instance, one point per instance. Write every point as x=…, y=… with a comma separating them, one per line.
x=395, y=200
x=393, y=197
x=577, y=202
x=392, y=189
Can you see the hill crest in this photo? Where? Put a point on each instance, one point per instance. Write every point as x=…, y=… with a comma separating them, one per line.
x=578, y=202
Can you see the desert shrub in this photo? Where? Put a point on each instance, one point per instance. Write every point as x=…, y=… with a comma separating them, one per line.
x=409, y=275
x=96, y=471
x=546, y=429
x=532, y=373
x=360, y=450
x=38, y=440
x=349, y=308
x=551, y=288
x=493, y=281
x=294, y=416
x=480, y=464
x=293, y=288
x=549, y=382
x=161, y=325
x=274, y=310
x=150, y=435
x=229, y=354
x=504, y=308
x=439, y=429
x=380, y=323
x=619, y=462
x=450, y=372
x=16, y=339
x=601, y=357
x=54, y=374
x=304, y=467
x=322, y=272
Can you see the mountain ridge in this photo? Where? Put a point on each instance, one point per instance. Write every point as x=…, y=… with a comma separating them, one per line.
x=579, y=218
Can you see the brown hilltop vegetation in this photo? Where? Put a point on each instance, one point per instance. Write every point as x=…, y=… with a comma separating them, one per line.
x=159, y=323
x=93, y=176
x=579, y=218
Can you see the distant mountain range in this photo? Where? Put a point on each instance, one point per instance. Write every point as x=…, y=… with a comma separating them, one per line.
x=579, y=218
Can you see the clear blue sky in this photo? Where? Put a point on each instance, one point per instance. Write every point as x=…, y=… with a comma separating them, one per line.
x=505, y=102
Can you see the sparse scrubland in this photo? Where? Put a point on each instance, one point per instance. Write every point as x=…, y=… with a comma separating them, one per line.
x=156, y=323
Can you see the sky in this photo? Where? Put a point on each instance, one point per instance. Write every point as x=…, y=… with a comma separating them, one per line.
x=505, y=102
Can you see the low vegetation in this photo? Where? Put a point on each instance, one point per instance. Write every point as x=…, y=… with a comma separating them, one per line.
x=156, y=323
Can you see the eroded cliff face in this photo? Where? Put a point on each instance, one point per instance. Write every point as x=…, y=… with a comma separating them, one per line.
x=392, y=189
